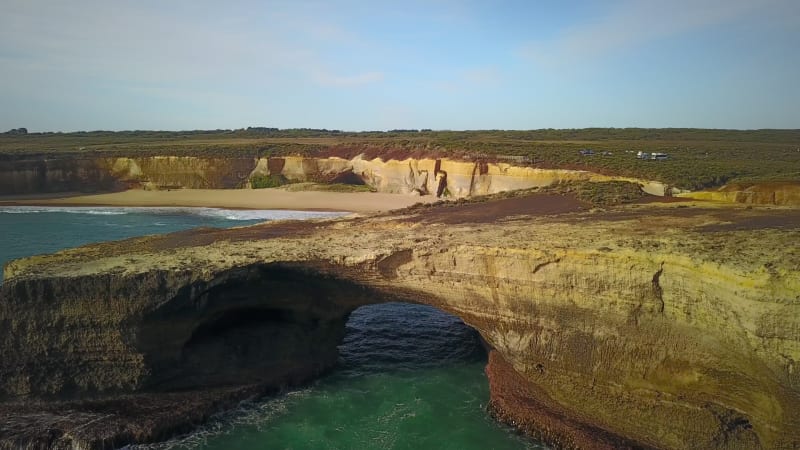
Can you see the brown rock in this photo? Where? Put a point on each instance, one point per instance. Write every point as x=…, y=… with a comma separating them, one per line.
x=639, y=326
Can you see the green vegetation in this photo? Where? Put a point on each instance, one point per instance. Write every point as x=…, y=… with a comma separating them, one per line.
x=267, y=181
x=697, y=158
x=341, y=187
x=332, y=187
x=605, y=193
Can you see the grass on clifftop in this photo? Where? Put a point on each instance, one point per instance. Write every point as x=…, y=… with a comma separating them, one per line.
x=698, y=158
x=606, y=193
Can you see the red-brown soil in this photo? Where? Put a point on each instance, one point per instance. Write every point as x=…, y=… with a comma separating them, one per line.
x=495, y=210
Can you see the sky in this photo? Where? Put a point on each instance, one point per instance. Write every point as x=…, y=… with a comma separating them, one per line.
x=378, y=65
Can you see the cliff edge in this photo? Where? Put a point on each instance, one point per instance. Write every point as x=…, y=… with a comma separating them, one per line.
x=650, y=325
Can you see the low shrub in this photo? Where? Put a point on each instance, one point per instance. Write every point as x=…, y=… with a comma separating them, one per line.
x=267, y=181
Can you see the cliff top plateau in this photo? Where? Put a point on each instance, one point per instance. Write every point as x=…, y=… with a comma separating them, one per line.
x=654, y=324
x=695, y=158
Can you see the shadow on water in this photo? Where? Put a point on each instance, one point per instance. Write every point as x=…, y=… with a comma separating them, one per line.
x=394, y=337
x=409, y=376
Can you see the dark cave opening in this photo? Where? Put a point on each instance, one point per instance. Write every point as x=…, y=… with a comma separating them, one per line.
x=348, y=177
x=278, y=325
x=236, y=320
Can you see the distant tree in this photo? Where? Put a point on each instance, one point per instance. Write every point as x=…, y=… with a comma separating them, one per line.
x=17, y=131
x=263, y=129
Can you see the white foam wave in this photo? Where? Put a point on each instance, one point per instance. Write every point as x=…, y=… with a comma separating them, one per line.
x=256, y=414
x=264, y=214
x=220, y=213
x=63, y=209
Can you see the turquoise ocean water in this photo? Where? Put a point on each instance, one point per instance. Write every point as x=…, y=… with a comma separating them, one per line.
x=409, y=376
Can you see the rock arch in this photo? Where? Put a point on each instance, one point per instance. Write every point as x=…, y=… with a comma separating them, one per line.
x=604, y=330
x=269, y=324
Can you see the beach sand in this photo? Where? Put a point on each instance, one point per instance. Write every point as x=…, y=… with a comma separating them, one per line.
x=360, y=202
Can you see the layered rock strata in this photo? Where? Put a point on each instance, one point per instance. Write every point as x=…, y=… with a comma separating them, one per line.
x=431, y=176
x=422, y=176
x=87, y=174
x=781, y=194
x=649, y=326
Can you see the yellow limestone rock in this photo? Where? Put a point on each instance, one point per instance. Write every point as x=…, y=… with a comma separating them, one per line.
x=650, y=325
x=456, y=179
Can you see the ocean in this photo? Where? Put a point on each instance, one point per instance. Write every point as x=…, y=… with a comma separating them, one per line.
x=409, y=376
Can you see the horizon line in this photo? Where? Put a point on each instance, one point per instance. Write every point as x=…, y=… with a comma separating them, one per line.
x=391, y=130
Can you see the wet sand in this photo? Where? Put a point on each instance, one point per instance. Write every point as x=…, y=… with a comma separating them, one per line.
x=361, y=202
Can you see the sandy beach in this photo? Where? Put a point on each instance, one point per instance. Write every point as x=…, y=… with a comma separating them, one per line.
x=359, y=202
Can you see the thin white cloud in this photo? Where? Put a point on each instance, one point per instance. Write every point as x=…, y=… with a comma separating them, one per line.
x=469, y=80
x=122, y=41
x=360, y=79
x=481, y=76
x=138, y=43
x=634, y=23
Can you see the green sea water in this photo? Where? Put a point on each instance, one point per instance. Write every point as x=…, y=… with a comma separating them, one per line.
x=32, y=230
x=409, y=376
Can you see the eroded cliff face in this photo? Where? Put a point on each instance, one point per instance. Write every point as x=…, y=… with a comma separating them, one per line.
x=42, y=176
x=781, y=194
x=428, y=176
x=176, y=172
x=655, y=325
x=83, y=174
x=422, y=176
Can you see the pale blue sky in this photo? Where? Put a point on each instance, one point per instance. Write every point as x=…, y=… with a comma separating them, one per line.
x=372, y=65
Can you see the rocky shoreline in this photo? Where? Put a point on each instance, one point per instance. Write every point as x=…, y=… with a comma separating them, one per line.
x=664, y=325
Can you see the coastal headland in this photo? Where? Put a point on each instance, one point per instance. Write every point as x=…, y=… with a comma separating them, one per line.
x=607, y=328
x=614, y=318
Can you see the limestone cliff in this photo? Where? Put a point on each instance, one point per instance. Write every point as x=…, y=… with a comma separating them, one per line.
x=161, y=172
x=781, y=194
x=396, y=174
x=39, y=176
x=86, y=174
x=652, y=325
x=427, y=176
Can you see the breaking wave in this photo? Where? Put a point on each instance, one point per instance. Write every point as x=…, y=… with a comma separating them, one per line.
x=227, y=214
